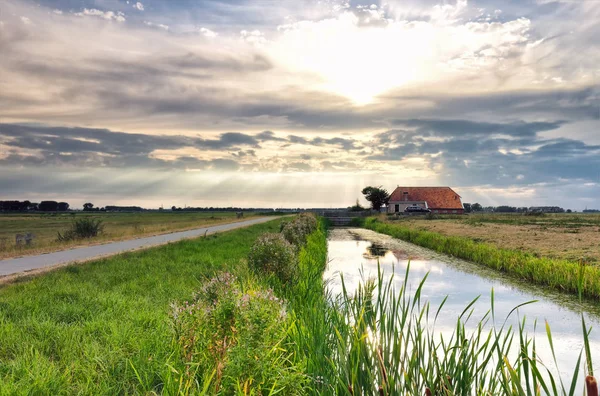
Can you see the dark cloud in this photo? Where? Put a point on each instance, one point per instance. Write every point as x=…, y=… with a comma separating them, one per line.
x=269, y=136
x=90, y=140
x=479, y=157
x=457, y=128
x=102, y=147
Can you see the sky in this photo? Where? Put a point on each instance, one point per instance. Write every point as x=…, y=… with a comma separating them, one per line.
x=299, y=103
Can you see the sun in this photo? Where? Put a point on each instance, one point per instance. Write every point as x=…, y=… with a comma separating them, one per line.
x=356, y=62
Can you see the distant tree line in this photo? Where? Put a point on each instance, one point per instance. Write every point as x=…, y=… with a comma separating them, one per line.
x=476, y=207
x=28, y=206
x=217, y=209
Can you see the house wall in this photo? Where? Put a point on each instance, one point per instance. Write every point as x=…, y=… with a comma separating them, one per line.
x=401, y=205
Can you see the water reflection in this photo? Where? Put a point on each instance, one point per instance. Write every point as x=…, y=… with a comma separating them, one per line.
x=462, y=282
x=375, y=250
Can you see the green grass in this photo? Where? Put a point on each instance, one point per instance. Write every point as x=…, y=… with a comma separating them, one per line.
x=117, y=226
x=381, y=339
x=386, y=344
x=104, y=327
x=557, y=274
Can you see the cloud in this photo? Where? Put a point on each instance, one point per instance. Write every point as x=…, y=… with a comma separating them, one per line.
x=481, y=95
x=108, y=15
x=63, y=146
x=139, y=6
x=157, y=25
x=254, y=36
x=208, y=33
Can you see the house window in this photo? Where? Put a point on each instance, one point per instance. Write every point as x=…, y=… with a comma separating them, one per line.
x=397, y=208
x=454, y=211
x=436, y=211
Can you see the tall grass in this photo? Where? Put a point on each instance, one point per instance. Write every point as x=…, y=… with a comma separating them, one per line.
x=562, y=275
x=82, y=228
x=381, y=339
x=104, y=327
x=387, y=344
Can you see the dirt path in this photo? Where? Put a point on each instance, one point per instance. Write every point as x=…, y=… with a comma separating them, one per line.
x=11, y=268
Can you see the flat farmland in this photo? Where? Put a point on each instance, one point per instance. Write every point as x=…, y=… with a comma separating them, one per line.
x=560, y=236
x=117, y=227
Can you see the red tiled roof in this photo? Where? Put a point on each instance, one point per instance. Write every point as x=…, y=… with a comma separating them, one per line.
x=436, y=197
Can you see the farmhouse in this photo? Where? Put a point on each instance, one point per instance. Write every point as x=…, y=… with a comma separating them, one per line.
x=436, y=199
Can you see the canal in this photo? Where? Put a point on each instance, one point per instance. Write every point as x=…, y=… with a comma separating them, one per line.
x=356, y=253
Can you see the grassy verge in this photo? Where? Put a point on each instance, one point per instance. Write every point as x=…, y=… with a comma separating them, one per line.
x=105, y=327
x=381, y=339
x=216, y=316
x=117, y=227
x=558, y=274
x=387, y=344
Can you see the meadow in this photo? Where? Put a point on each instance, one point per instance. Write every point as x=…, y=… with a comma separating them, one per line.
x=105, y=327
x=557, y=273
x=117, y=226
x=566, y=236
x=248, y=312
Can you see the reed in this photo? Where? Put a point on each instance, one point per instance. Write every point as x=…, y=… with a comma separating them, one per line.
x=561, y=275
x=381, y=339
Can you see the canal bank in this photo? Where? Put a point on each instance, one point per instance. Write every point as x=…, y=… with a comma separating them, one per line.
x=356, y=253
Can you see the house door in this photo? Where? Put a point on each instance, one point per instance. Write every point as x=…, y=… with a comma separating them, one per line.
x=397, y=208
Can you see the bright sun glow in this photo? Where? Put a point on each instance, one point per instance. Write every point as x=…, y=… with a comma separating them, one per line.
x=355, y=61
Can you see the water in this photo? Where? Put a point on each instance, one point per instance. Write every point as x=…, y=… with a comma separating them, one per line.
x=351, y=250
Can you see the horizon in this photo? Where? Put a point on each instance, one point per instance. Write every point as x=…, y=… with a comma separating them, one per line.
x=299, y=104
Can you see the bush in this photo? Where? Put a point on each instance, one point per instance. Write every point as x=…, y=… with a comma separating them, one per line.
x=82, y=228
x=273, y=254
x=297, y=230
x=235, y=338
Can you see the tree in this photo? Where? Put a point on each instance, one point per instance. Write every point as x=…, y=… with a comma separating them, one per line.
x=48, y=206
x=88, y=206
x=467, y=207
x=377, y=196
x=63, y=206
x=476, y=207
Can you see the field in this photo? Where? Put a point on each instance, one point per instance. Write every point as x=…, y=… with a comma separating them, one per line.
x=104, y=327
x=205, y=317
x=117, y=226
x=547, y=259
x=559, y=236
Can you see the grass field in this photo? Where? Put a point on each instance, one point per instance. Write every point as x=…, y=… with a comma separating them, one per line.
x=557, y=273
x=104, y=327
x=139, y=323
x=117, y=226
x=558, y=236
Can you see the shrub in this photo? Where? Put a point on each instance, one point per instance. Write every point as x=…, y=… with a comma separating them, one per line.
x=82, y=228
x=297, y=230
x=235, y=338
x=273, y=254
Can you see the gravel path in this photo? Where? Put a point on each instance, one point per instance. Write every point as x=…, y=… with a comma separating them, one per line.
x=43, y=261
